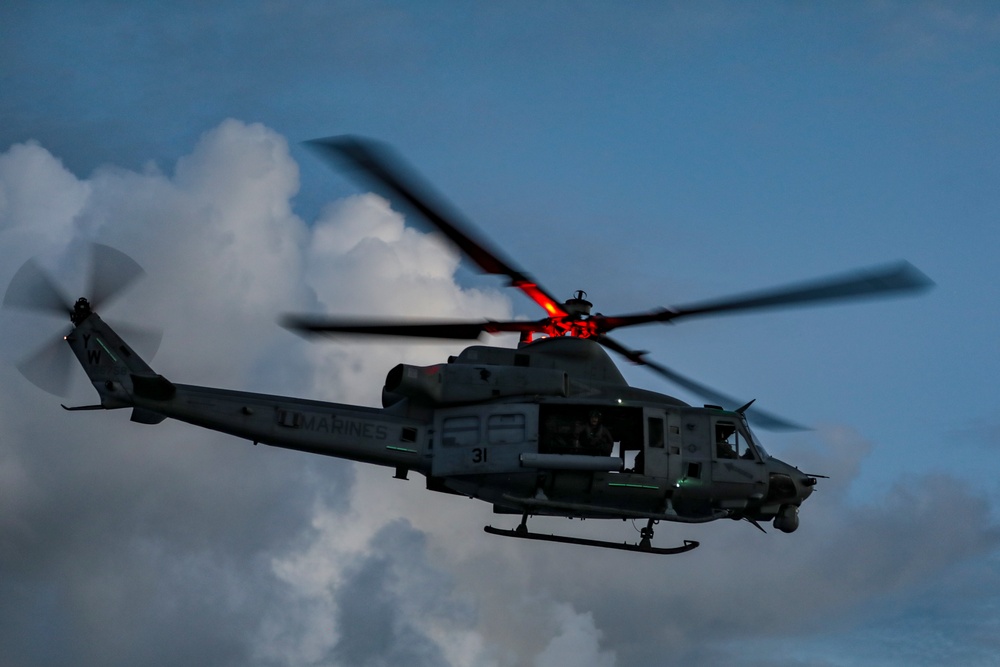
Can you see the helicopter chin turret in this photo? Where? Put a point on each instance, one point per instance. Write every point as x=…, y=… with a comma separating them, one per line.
x=788, y=520
x=788, y=488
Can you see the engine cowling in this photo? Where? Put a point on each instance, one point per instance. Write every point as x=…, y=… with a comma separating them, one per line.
x=447, y=384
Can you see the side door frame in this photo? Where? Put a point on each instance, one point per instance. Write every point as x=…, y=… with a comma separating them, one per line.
x=740, y=470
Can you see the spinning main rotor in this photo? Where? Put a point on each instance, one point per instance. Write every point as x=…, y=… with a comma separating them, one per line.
x=380, y=167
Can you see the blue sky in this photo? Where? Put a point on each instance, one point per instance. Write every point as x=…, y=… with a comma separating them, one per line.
x=649, y=153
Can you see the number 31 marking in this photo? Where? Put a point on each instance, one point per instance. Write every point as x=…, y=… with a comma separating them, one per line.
x=479, y=455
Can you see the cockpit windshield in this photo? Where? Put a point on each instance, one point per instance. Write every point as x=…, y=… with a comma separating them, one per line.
x=753, y=438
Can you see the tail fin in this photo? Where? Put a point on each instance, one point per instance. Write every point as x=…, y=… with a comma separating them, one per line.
x=116, y=371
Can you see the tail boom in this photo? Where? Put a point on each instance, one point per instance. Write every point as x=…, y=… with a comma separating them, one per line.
x=124, y=380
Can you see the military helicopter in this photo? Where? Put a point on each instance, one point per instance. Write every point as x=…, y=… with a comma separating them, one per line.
x=548, y=428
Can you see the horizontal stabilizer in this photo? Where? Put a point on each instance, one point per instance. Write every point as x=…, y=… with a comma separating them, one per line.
x=76, y=408
x=143, y=416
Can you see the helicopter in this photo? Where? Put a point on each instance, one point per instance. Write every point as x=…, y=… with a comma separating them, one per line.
x=548, y=428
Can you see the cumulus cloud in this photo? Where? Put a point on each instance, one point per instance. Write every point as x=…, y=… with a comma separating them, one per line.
x=130, y=538
x=37, y=192
x=122, y=543
x=575, y=643
x=362, y=260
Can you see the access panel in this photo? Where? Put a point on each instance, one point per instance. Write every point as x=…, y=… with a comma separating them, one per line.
x=483, y=439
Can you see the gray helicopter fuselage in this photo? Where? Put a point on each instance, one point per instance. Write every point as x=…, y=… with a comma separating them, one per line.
x=506, y=426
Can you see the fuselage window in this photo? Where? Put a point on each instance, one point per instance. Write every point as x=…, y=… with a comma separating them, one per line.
x=501, y=429
x=729, y=444
x=460, y=431
x=654, y=427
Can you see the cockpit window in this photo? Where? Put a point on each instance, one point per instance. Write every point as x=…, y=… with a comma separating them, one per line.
x=731, y=442
x=756, y=443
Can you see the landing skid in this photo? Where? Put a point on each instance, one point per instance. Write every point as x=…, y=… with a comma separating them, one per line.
x=643, y=546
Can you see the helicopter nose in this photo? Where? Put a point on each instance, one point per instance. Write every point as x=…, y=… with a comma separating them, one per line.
x=806, y=484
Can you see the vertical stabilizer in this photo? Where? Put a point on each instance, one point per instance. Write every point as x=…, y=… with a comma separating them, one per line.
x=109, y=361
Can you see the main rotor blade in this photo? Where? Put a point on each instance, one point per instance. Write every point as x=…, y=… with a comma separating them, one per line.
x=111, y=272
x=31, y=288
x=759, y=417
x=409, y=329
x=878, y=282
x=899, y=278
x=378, y=163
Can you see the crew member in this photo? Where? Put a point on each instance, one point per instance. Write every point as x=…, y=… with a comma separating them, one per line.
x=594, y=436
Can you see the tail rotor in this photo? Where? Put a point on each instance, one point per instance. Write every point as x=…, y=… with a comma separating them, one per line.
x=34, y=290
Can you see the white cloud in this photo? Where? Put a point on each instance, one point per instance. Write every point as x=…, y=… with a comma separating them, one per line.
x=37, y=192
x=361, y=260
x=225, y=257
x=576, y=642
x=132, y=536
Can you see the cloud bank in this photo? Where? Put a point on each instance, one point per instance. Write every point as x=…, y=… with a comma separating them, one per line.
x=125, y=544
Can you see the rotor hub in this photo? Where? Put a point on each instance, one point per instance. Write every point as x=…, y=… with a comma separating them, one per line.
x=578, y=306
x=81, y=311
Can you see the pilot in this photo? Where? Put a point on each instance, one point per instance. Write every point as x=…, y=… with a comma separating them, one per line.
x=723, y=448
x=594, y=435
